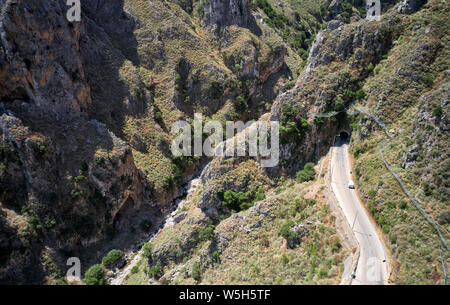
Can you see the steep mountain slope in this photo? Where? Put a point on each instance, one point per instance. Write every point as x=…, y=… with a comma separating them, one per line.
x=408, y=91
x=86, y=110
x=397, y=71
x=388, y=69
x=86, y=114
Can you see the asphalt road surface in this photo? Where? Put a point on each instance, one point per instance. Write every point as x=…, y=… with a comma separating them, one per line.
x=372, y=267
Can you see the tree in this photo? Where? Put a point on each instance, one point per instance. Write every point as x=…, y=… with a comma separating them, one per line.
x=112, y=258
x=147, y=250
x=134, y=270
x=234, y=200
x=286, y=231
x=307, y=173
x=292, y=126
x=240, y=104
x=158, y=117
x=156, y=270
x=360, y=94
x=241, y=201
x=95, y=276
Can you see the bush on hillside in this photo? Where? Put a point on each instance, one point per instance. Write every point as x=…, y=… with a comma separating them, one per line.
x=112, y=258
x=307, y=173
x=95, y=276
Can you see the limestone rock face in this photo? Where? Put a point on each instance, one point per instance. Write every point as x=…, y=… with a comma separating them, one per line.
x=68, y=181
x=410, y=6
x=218, y=13
x=42, y=67
x=358, y=45
x=86, y=110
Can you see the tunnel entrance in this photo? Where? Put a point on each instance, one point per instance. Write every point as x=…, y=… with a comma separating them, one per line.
x=342, y=138
x=344, y=135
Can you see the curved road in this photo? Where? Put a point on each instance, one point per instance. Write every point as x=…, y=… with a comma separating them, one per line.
x=372, y=267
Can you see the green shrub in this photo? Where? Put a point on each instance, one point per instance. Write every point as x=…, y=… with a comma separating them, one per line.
x=356, y=151
x=156, y=270
x=234, y=200
x=239, y=201
x=259, y=194
x=292, y=125
x=289, y=85
x=311, y=201
x=240, y=104
x=158, y=117
x=390, y=204
x=61, y=282
x=196, y=272
x=42, y=149
x=286, y=231
x=428, y=80
x=95, y=276
x=303, y=54
x=393, y=238
x=206, y=233
x=134, y=270
x=319, y=121
x=307, y=173
x=360, y=94
x=336, y=243
x=147, y=250
x=339, y=104
x=112, y=258
x=427, y=188
x=275, y=20
x=265, y=241
x=438, y=111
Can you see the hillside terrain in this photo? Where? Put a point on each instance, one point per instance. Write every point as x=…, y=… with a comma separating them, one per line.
x=86, y=111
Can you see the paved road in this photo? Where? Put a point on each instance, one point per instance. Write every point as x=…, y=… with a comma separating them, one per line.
x=372, y=268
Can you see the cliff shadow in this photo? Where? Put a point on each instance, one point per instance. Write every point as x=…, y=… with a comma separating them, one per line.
x=109, y=51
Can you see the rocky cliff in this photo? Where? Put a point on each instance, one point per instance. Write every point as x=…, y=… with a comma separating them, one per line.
x=78, y=174
x=67, y=181
x=86, y=110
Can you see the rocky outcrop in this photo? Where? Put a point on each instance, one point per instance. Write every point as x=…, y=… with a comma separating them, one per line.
x=43, y=66
x=69, y=181
x=297, y=233
x=357, y=46
x=98, y=194
x=248, y=63
x=217, y=14
x=235, y=174
x=362, y=42
x=410, y=6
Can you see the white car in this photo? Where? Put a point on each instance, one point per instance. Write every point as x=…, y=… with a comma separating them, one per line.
x=351, y=185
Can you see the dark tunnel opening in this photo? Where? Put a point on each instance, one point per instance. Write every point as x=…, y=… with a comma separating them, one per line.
x=344, y=135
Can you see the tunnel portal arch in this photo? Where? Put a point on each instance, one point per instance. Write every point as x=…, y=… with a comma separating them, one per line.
x=344, y=135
